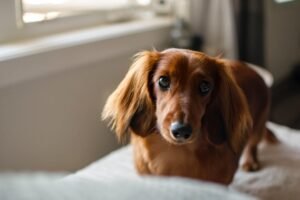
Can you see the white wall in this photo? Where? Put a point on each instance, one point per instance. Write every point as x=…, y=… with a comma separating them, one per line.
x=52, y=121
x=282, y=34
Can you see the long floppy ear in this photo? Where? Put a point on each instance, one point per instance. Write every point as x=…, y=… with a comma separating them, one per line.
x=131, y=105
x=227, y=115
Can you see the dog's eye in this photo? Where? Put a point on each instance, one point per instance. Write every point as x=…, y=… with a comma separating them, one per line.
x=204, y=88
x=164, y=82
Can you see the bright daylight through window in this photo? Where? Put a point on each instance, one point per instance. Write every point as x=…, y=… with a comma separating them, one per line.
x=42, y=10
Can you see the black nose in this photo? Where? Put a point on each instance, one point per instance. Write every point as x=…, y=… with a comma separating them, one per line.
x=181, y=131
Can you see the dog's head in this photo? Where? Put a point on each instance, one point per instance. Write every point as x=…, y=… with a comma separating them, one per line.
x=183, y=95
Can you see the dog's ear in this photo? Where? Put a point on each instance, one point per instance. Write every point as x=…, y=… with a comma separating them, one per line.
x=227, y=115
x=130, y=106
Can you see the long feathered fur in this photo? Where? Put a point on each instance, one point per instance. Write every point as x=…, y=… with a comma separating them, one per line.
x=235, y=111
x=132, y=97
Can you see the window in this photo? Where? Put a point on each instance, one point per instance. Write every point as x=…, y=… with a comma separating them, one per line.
x=42, y=10
x=283, y=1
x=21, y=19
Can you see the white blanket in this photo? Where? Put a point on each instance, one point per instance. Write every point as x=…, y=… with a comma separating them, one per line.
x=113, y=177
x=279, y=177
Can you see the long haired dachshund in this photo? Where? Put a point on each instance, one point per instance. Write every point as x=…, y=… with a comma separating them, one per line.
x=190, y=115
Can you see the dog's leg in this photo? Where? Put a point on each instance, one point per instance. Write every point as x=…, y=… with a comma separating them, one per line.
x=250, y=160
x=249, y=157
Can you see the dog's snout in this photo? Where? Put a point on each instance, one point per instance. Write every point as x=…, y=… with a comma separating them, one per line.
x=181, y=131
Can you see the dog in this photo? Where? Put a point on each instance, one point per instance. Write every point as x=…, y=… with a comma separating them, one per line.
x=190, y=115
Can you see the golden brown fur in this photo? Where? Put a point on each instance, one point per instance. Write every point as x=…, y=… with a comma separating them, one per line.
x=225, y=122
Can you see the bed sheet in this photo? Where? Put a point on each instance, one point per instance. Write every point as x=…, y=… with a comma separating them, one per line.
x=279, y=177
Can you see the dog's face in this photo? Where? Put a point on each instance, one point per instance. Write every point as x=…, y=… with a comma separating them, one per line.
x=183, y=84
x=183, y=95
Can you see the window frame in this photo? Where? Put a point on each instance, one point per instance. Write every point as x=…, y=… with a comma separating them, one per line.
x=15, y=29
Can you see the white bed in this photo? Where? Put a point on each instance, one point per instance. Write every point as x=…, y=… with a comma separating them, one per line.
x=279, y=177
x=114, y=177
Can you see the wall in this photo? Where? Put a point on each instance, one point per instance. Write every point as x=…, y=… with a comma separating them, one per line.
x=52, y=122
x=282, y=37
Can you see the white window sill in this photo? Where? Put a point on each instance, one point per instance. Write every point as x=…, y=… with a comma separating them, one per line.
x=35, y=57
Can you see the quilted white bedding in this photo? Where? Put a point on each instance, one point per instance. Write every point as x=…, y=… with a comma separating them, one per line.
x=279, y=177
x=114, y=177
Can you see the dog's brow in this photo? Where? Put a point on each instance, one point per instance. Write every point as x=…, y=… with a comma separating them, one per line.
x=174, y=63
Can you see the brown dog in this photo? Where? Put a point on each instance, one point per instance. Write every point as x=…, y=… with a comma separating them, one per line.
x=190, y=114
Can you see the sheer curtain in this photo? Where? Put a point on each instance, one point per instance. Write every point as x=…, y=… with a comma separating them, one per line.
x=232, y=27
x=214, y=20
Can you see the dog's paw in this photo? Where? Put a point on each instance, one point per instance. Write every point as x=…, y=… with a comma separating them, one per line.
x=250, y=166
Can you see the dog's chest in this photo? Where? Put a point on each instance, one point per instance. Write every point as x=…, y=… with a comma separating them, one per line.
x=161, y=158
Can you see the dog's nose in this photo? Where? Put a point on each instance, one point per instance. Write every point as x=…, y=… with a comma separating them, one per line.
x=181, y=131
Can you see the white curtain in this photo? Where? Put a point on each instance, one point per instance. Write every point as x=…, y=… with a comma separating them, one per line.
x=214, y=21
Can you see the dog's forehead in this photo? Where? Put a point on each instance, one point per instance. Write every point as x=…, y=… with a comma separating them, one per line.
x=183, y=61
